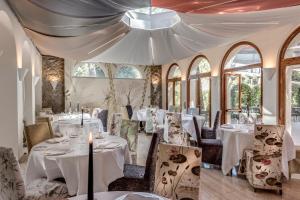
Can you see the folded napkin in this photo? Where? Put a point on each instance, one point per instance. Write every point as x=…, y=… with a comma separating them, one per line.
x=107, y=145
x=139, y=196
x=56, y=140
x=56, y=152
x=228, y=126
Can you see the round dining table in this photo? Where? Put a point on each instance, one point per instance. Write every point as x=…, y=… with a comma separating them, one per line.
x=67, y=158
x=238, y=137
x=118, y=195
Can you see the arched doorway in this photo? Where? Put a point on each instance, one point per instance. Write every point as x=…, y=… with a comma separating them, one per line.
x=289, y=85
x=173, y=87
x=198, y=87
x=241, y=82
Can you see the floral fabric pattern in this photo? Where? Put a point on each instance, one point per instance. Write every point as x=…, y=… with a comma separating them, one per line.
x=151, y=120
x=177, y=173
x=262, y=166
x=116, y=123
x=174, y=129
x=129, y=131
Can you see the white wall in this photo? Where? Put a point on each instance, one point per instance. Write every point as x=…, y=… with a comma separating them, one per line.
x=13, y=56
x=269, y=42
x=91, y=92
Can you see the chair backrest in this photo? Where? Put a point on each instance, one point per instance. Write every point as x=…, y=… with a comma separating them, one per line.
x=129, y=111
x=46, y=120
x=129, y=131
x=150, y=156
x=268, y=139
x=11, y=182
x=217, y=120
x=151, y=120
x=96, y=112
x=103, y=116
x=177, y=173
x=174, y=128
x=36, y=134
x=116, y=122
x=197, y=130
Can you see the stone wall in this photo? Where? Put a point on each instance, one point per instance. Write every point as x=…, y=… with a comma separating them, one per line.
x=156, y=86
x=53, y=83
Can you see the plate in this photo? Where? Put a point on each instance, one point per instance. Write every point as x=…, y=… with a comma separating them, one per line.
x=139, y=196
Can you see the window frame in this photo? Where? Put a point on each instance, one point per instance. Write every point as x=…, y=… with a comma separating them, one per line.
x=119, y=68
x=94, y=77
x=173, y=81
x=234, y=70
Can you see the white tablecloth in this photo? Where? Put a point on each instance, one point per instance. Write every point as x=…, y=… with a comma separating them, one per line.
x=68, y=116
x=73, y=166
x=141, y=115
x=73, y=126
x=115, y=195
x=240, y=138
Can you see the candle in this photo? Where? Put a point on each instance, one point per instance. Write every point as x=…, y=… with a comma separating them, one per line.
x=81, y=117
x=91, y=170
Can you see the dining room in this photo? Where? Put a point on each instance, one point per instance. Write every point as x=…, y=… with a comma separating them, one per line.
x=150, y=99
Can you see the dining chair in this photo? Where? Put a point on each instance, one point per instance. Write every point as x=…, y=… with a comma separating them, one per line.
x=129, y=111
x=12, y=184
x=151, y=120
x=174, y=133
x=103, y=116
x=262, y=165
x=48, y=122
x=36, y=134
x=211, y=133
x=211, y=148
x=116, y=122
x=138, y=178
x=177, y=174
x=129, y=131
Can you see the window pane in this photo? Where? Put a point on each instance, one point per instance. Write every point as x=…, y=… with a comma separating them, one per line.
x=242, y=56
x=129, y=72
x=232, y=92
x=177, y=94
x=174, y=72
x=205, y=99
x=193, y=93
x=200, y=65
x=293, y=49
x=88, y=70
x=170, y=94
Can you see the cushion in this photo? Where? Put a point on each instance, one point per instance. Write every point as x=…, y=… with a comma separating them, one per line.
x=134, y=171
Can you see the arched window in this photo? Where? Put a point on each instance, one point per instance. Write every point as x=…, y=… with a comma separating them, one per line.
x=289, y=79
x=87, y=69
x=174, y=87
x=128, y=72
x=241, y=82
x=199, y=94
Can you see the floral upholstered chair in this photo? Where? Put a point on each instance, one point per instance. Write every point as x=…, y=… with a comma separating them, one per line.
x=262, y=165
x=129, y=131
x=116, y=123
x=173, y=129
x=12, y=185
x=151, y=120
x=177, y=173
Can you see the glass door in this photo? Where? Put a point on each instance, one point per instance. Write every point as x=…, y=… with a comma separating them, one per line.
x=204, y=96
x=232, y=97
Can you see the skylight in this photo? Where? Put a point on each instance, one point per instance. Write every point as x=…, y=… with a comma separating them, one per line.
x=150, y=18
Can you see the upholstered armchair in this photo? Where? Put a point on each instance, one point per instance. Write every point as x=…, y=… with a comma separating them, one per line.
x=36, y=134
x=116, y=122
x=151, y=120
x=103, y=116
x=138, y=178
x=177, y=173
x=211, y=148
x=129, y=131
x=211, y=133
x=173, y=129
x=12, y=185
x=262, y=165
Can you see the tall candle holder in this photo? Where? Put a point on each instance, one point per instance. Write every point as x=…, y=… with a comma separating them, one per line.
x=90, y=195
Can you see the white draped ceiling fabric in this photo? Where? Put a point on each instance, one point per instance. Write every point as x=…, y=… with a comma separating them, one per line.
x=118, y=31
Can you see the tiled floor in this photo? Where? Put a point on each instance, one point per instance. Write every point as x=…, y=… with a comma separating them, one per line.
x=215, y=186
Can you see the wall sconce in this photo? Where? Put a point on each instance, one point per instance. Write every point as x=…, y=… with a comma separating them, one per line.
x=53, y=81
x=22, y=72
x=269, y=72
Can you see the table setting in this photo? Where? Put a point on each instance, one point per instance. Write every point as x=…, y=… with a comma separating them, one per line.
x=238, y=137
x=67, y=158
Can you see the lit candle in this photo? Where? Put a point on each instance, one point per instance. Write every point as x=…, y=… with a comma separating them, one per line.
x=91, y=170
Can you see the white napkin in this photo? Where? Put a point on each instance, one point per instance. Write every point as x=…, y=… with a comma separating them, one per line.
x=137, y=196
x=228, y=126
